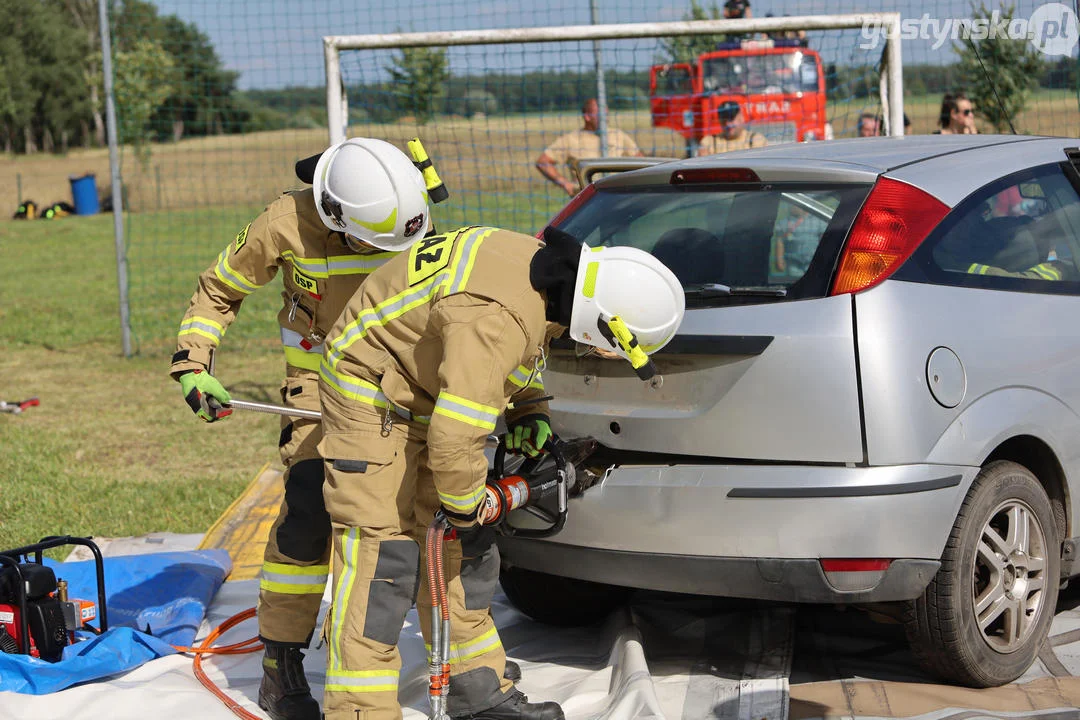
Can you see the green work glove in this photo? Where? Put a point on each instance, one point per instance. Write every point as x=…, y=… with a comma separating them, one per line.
x=528, y=435
x=205, y=395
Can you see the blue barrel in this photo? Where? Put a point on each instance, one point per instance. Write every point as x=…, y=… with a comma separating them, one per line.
x=84, y=193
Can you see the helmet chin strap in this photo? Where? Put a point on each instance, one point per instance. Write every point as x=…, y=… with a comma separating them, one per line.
x=357, y=245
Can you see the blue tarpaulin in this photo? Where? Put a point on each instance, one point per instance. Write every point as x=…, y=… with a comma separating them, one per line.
x=154, y=601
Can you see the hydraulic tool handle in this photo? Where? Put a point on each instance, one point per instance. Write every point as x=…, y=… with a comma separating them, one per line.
x=554, y=446
x=273, y=409
x=541, y=485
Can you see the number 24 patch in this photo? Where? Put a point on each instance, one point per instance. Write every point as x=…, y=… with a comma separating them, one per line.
x=428, y=257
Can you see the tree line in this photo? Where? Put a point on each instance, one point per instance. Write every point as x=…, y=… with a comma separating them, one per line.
x=560, y=92
x=169, y=81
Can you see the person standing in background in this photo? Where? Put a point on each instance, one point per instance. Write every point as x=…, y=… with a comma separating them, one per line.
x=569, y=149
x=957, y=116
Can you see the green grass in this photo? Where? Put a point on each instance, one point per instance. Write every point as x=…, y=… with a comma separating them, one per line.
x=112, y=450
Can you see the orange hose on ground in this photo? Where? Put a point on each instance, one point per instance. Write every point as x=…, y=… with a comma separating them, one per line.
x=205, y=648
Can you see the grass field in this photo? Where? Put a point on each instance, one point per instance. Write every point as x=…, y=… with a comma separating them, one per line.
x=112, y=450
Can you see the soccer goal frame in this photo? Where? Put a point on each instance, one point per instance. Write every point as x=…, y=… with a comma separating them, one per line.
x=891, y=88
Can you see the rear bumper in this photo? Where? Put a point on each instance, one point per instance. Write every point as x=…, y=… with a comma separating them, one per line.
x=785, y=579
x=754, y=530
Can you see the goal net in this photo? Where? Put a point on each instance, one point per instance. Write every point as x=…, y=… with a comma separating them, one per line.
x=498, y=110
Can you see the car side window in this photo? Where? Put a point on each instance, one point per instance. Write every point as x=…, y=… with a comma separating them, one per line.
x=1018, y=234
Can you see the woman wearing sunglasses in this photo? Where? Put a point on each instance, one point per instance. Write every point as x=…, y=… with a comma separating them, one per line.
x=957, y=115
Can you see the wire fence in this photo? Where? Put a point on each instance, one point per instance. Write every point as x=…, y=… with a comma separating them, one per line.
x=216, y=101
x=488, y=128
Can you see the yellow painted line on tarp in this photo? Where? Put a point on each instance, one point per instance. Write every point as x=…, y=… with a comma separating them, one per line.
x=245, y=525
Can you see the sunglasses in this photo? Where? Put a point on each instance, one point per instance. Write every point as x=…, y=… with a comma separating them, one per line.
x=967, y=112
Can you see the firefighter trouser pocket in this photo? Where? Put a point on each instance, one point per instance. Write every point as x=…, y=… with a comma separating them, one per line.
x=299, y=438
x=363, y=478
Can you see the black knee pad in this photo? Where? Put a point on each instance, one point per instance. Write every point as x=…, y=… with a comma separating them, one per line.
x=474, y=691
x=479, y=567
x=305, y=532
x=393, y=590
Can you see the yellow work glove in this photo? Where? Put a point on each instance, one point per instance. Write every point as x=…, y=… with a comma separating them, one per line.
x=205, y=395
x=529, y=435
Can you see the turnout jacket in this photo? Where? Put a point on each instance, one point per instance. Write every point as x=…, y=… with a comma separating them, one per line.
x=446, y=335
x=320, y=273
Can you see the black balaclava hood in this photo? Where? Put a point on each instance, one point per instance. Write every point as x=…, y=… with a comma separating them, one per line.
x=554, y=272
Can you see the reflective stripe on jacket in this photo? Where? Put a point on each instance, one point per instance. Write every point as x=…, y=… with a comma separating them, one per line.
x=319, y=274
x=454, y=330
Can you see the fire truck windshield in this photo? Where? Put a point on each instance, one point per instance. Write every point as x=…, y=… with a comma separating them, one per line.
x=785, y=73
x=675, y=80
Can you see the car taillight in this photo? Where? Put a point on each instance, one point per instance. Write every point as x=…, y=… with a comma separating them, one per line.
x=850, y=574
x=575, y=202
x=893, y=221
x=714, y=175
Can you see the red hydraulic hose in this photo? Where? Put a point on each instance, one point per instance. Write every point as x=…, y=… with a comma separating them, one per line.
x=206, y=648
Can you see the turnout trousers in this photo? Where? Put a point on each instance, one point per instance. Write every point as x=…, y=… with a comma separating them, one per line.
x=381, y=497
x=296, y=562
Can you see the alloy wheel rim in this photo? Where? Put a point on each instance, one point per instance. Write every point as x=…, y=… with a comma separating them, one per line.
x=1009, y=576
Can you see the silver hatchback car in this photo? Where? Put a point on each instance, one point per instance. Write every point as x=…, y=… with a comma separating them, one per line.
x=874, y=397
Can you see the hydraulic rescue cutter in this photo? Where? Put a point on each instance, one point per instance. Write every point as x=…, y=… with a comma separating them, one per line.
x=534, y=487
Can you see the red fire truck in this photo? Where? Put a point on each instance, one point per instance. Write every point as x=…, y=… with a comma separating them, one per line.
x=779, y=84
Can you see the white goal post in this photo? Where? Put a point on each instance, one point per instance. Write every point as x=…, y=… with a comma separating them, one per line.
x=885, y=24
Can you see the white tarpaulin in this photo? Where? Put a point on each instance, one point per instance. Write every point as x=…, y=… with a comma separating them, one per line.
x=663, y=656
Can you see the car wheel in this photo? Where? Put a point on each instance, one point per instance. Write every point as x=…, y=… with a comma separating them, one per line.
x=561, y=601
x=981, y=620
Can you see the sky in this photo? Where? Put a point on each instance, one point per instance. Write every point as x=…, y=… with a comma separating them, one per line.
x=278, y=43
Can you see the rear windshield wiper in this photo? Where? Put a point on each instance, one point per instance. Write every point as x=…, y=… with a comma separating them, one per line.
x=713, y=290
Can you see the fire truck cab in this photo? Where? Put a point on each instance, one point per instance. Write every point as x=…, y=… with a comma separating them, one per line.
x=779, y=84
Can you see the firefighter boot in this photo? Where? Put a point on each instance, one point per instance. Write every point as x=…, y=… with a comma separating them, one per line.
x=285, y=693
x=517, y=707
x=512, y=671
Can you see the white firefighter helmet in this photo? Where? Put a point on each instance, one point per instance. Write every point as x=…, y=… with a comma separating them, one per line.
x=369, y=189
x=626, y=301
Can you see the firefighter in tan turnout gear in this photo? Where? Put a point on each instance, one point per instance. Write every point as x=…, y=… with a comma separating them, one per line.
x=418, y=369
x=368, y=201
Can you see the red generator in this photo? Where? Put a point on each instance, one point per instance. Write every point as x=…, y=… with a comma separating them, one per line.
x=37, y=617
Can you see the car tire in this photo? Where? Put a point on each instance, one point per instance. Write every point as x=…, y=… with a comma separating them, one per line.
x=560, y=601
x=983, y=618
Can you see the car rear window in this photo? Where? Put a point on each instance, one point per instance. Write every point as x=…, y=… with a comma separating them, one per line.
x=767, y=241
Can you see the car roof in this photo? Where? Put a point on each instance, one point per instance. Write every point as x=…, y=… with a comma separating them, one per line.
x=947, y=166
x=879, y=154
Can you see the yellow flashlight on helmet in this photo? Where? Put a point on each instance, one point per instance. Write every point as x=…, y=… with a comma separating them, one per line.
x=436, y=189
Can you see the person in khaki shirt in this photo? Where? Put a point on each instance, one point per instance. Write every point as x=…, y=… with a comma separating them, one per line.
x=435, y=347
x=733, y=136
x=568, y=149
x=323, y=259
